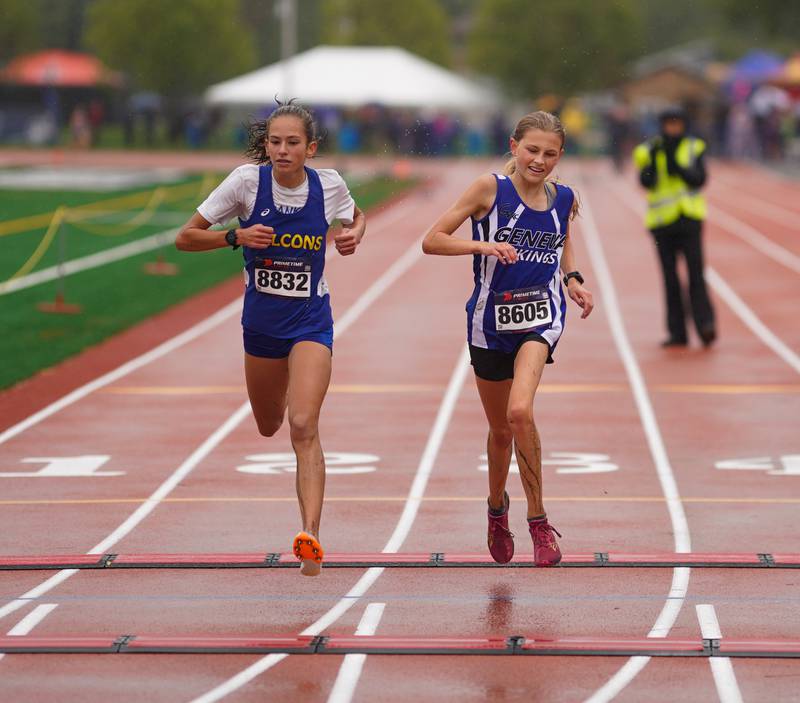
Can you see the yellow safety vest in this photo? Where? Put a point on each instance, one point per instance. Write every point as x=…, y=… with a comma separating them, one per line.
x=671, y=197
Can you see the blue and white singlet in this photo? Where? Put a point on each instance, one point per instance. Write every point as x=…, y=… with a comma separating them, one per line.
x=512, y=300
x=286, y=295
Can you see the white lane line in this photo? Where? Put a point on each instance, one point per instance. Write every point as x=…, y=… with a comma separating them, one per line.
x=680, y=526
x=655, y=442
x=124, y=251
x=736, y=304
x=751, y=320
x=756, y=206
x=732, y=225
x=721, y=667
x=395, y=541
x=350, y=670
x=385, y=219
x=31, y=620
x=168, y=486
x=161, y=350
x=397, y=269
x=766, y=173
x=347, y=319
x=755, y=239
x=143, y=510
x=36, y=592
x=709, y=625
x=368, y=624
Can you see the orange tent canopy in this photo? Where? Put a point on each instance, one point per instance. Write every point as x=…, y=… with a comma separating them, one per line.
x=788, y=77
x=58, y=68
x=789, y=74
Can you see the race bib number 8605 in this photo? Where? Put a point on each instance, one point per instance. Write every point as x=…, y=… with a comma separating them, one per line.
x=286, y=277
x=522, y=310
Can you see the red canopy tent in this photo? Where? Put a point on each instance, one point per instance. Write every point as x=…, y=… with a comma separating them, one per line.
x=60, y=69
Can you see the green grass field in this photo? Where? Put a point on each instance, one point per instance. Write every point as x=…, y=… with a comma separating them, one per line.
x=115, y=295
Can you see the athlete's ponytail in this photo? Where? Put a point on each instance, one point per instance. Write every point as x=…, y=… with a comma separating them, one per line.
x=545, y=121
x=258, y=131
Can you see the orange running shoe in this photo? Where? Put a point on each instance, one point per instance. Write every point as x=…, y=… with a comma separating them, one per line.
x=309, y=551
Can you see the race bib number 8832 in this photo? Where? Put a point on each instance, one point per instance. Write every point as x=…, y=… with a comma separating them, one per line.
x=286, y=277
x=522, y=310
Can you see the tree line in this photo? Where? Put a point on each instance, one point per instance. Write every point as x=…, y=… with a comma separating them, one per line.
x=529, y=47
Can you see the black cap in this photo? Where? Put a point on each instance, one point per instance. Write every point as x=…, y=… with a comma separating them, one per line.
x=673, y=113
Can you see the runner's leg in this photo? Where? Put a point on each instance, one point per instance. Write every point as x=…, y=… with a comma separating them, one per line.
x=267, y=381
x=309, y=376
x=528, y=367
x=494, y=398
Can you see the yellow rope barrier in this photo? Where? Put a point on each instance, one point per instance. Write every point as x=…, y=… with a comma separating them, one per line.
x=79, y=214
x=205, y=185
x=181, y=191
x=120, y=228
x=44, y=245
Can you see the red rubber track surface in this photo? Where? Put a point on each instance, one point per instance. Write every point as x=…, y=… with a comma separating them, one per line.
x=735, y=405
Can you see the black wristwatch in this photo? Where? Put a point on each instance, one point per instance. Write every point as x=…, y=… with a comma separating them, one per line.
x=573, y=274
x=230, y=237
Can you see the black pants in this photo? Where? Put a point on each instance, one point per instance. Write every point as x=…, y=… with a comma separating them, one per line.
x=684, y=236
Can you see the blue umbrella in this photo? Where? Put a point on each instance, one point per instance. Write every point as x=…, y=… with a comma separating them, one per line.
x=755, y=67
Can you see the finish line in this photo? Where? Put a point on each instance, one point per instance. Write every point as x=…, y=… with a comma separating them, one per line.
x=515, y=645
x=287, y=560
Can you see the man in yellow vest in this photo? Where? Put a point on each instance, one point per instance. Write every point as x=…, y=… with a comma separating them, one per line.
x=671, y=168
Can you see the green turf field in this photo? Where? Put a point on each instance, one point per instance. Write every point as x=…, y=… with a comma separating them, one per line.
x=116, y=295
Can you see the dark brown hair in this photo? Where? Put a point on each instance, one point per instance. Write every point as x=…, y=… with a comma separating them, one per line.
x=258, y=131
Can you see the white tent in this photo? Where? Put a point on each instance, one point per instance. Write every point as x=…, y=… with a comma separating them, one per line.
x=348, y=76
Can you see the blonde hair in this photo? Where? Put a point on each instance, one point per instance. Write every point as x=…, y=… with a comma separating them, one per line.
x=546, y=122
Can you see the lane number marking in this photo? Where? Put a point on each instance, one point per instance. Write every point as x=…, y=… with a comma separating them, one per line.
x=566, y=463
x=335, y=463
x=789, y=465
x=64, y=466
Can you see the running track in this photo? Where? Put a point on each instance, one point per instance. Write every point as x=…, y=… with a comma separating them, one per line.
x=647, y=452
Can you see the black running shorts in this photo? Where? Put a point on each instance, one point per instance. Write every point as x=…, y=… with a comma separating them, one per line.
x=493, y=365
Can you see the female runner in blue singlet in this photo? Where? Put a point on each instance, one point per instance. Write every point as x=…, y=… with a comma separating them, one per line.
x=515, y=316
x=285, y=210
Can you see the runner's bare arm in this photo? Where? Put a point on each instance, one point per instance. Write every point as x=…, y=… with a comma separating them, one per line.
x=575, y=290
x=195, y=235
x=476, y=202
x=349, y=237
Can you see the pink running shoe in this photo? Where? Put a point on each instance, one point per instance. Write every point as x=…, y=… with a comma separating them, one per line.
x=500, y=539
x=545, y=547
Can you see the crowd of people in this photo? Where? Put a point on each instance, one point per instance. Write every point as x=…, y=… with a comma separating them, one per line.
x=763, y=125
x=377, y=129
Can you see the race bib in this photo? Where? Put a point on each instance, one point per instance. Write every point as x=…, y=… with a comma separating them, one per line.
x=522, y=310
x=290, y=278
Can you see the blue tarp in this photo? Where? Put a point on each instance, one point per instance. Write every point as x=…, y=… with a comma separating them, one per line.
x=755, y=67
